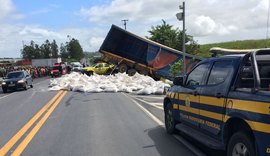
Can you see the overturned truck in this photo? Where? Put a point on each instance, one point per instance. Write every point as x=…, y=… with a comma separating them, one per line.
x=131, y=54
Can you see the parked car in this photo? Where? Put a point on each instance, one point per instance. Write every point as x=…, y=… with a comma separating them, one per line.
x=77, y=67
x=17, y=79
x=99, y=68
x=58, y=70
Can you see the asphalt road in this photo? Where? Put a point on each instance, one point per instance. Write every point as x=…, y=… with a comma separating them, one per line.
x=41, y=122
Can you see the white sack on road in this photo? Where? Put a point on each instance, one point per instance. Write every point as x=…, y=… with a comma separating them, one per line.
x=138, y=84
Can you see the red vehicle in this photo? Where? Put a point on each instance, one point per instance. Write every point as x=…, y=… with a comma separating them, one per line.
x=58, y=70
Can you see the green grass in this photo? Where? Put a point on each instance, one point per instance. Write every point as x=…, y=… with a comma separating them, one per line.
x=203, y=51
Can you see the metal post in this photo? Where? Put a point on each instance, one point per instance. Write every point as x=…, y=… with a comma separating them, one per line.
x=125, y=23
x=184, y=41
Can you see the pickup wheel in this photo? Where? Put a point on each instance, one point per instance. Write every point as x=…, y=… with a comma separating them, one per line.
x=241, y=144
x=169, y=119
x=25, y=87
x=122, y=68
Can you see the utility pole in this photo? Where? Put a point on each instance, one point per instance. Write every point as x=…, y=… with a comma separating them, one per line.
x=267, y=25
x=181, y=17
x=125, y=23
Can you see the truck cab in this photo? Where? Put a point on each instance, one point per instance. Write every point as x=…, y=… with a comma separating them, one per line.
x=224, y=103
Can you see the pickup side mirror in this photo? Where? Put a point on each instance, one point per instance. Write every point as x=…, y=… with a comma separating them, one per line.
x=178, y=81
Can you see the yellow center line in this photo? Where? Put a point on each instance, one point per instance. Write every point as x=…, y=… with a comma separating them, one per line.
x=33, y=132
x=23, y=130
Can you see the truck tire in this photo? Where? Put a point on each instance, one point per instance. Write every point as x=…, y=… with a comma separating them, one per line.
x=89, y=73
x=4, y=90
x=131, y=72
x=144, y=72
x=170, y=122
x=108, y=72
x=241, y=144
x=122, y=68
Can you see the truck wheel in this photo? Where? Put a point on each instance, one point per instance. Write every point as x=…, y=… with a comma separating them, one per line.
x=4, y=90
x=122, y=68
x=131, y=72
x=241, y=144
x=169, y=119
x=108, y=72
x=144, y=72
x=89, y=73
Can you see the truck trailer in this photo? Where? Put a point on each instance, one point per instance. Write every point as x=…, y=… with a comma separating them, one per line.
x=131, y=54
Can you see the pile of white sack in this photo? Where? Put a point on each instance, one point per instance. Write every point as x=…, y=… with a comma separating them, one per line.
x=138, y=84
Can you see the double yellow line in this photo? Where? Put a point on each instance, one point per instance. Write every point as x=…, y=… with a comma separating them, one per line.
x=44, y=114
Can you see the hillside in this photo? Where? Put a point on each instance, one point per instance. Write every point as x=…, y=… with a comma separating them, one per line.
x=203, y=51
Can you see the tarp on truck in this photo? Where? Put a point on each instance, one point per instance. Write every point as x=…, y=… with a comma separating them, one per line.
x=144, y=51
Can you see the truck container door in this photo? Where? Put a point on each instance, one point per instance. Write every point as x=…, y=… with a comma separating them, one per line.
x=190, y=95
x=213, y=96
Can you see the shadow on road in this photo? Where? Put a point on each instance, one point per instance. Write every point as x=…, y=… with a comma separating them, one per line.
x=166, y=144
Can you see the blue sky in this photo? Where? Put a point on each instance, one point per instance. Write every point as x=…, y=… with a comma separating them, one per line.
x=90, y=20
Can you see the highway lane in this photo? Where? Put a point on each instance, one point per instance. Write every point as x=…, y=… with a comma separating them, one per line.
x=35, y=81
x=83, y=124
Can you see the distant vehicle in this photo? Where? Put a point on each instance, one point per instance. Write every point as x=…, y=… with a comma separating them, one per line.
x=99, y=68
x=17, y=79
x=58, y=69
x=224, y=103
x=45, y=62
x=131, y=54
x=77, y=67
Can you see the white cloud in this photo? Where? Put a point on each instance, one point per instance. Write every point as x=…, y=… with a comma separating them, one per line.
x=209, y=21
x=12, y=37
x=204, y=25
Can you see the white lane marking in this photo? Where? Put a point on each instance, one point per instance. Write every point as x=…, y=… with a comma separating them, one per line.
x=192, y=148
x=150, y=97
x=159, y=122
x=6, y=95
x=151, y=104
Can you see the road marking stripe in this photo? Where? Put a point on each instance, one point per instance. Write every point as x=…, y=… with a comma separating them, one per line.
x=6, y=95
x=151, y=97
x=23, y=130
x=33, y=132
x=151, y=104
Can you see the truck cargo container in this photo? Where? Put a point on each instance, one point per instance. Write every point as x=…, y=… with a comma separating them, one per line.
x=132, y=54
x=45, y=62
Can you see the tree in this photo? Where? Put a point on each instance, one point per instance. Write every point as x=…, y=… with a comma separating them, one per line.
x=176, y=68
x=46, y=49
x=63, y=51
x=29, y=51
x=74, y=49
x=166, y=35
x=54, y=49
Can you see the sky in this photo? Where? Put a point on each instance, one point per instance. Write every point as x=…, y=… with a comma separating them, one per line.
x=89, y=21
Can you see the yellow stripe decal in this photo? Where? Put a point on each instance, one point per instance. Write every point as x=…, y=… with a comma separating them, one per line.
x=189, y=109
x=172, y=95
x=212, y=101
x=244, y=105
x=175, y=106
x=208, y=114
x=251, y=106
